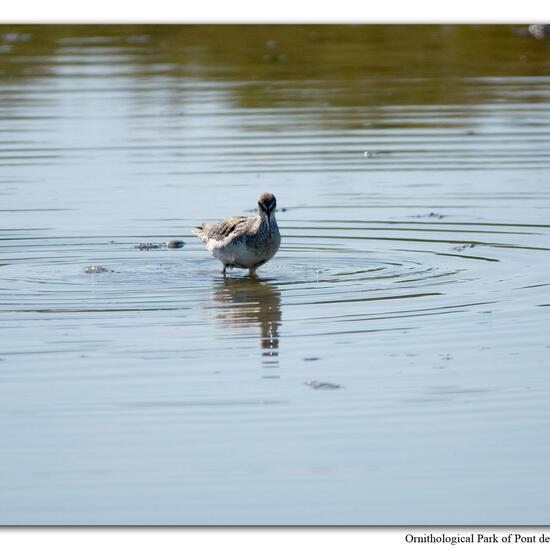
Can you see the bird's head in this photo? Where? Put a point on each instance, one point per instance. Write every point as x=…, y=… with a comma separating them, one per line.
x=266, y=208
x=266, y=203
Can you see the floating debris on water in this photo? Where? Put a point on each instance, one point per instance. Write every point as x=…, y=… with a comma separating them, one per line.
x=96, y=269
x=174, y=243
x=316, y=385
x=148, y=246
x=464, y=246
x=430, y=215
x=311, y=359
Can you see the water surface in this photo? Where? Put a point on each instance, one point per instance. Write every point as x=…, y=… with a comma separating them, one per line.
x=388, y=366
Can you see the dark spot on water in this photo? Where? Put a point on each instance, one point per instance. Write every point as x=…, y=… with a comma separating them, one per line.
x=148, y=246
x=311, y=359
x=317, y=385
x=174, y=244
x=430, y=215
x=96, y=269
x=464, y=246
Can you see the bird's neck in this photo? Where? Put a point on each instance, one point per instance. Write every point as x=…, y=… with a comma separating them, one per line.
x=263, y=219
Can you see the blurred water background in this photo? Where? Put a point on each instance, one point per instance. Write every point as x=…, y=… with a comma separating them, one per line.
x=389, y=366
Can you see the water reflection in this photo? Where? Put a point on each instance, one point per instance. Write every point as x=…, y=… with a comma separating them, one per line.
x=252, y=301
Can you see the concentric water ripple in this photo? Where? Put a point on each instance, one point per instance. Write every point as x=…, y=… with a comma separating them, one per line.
x=431, y=268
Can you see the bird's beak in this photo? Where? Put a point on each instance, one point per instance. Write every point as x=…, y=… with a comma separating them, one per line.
x=269, y=224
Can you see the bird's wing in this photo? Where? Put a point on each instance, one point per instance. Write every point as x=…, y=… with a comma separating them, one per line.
x=233, y=226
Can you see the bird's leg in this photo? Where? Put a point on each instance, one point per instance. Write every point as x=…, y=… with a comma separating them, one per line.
x=224, y=272
x=252, y=272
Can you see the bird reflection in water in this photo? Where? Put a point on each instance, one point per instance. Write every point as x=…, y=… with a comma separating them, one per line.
x=252, y=301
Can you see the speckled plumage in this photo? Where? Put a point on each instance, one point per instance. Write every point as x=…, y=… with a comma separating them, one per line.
x=244, y=242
